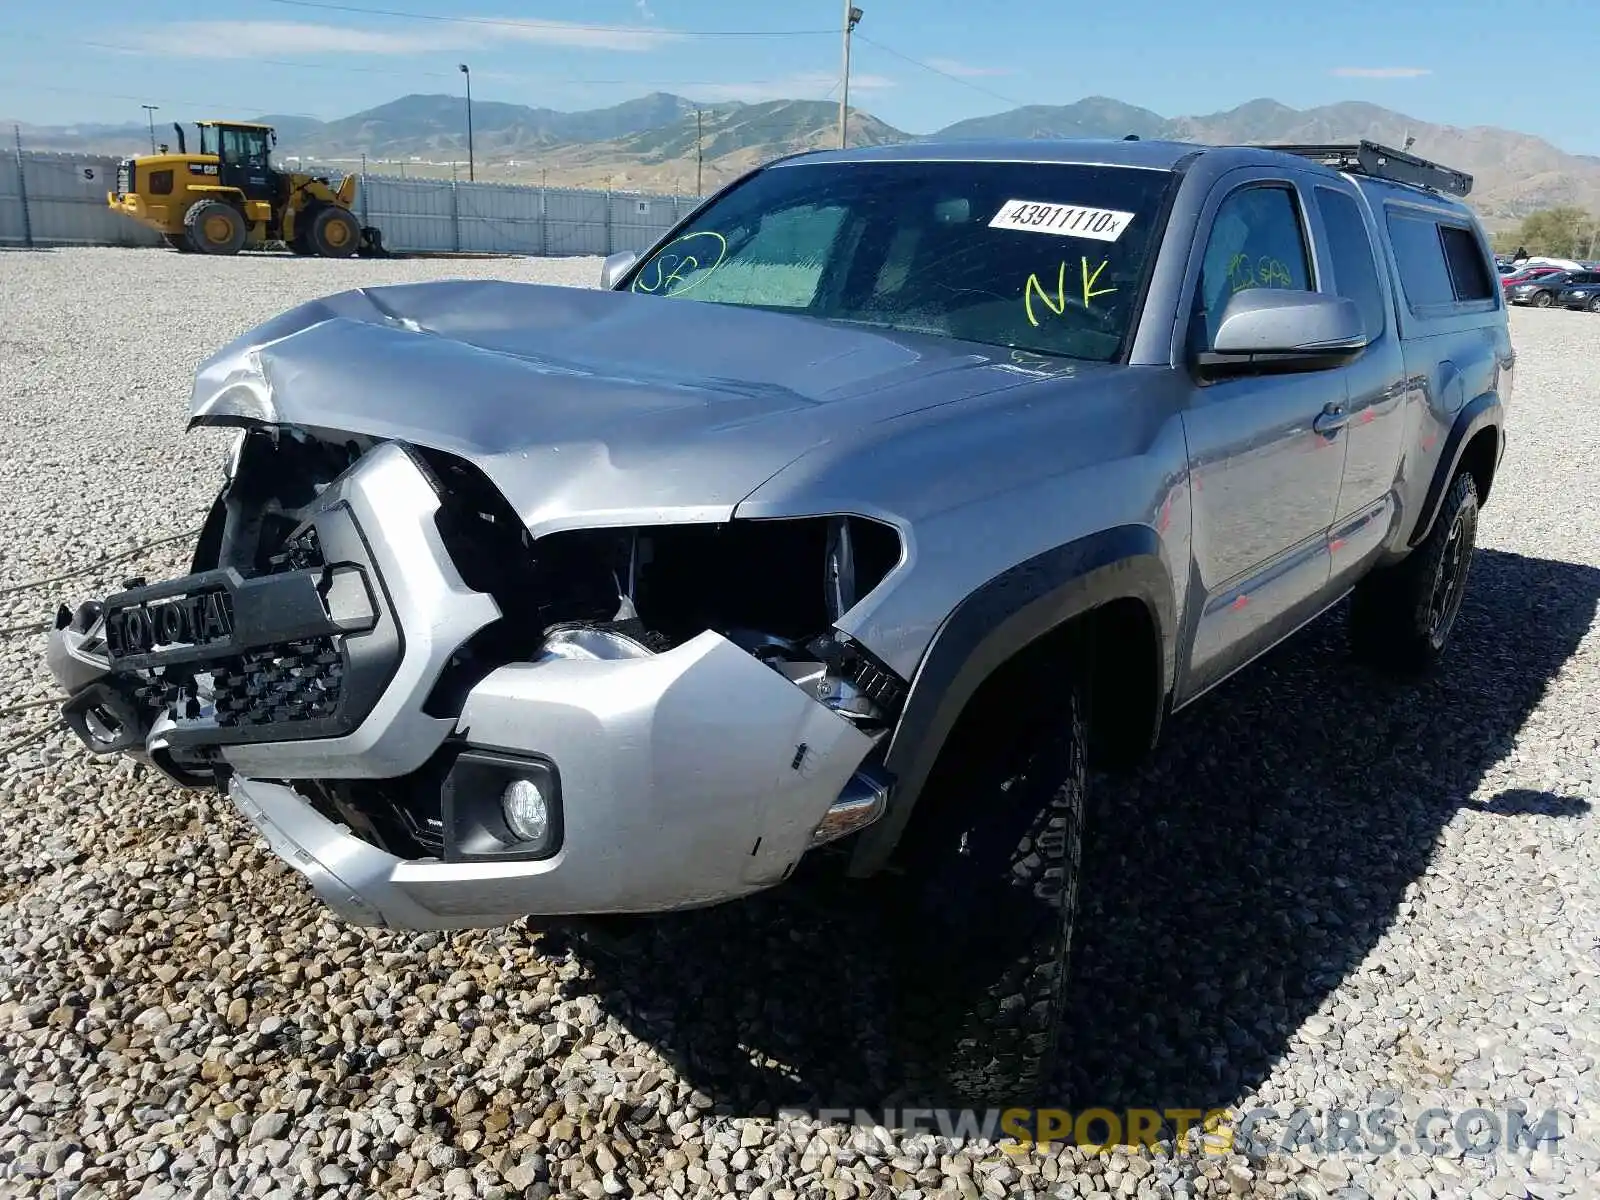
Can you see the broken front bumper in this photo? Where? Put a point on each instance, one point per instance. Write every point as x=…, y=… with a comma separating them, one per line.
x=673, y=779
x=682, y=779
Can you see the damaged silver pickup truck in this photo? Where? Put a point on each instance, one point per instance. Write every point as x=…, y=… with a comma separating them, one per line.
x=850, y=520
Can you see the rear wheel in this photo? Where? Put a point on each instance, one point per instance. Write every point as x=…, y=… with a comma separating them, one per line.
x=334, y=233
x=1543, y=299
x=214, y=227
x=987, y=910
x=1401, y=616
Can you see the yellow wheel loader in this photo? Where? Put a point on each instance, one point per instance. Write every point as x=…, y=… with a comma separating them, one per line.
x=229, y=197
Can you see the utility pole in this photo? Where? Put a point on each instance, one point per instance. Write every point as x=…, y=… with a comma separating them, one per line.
x=150, y=115
x=472, y=174
x=699, y=155
x=852, y=15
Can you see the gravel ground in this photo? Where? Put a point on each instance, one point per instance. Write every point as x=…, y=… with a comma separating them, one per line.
x=1325, y=892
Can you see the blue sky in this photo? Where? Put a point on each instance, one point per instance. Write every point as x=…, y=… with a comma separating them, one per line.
x=919, y=64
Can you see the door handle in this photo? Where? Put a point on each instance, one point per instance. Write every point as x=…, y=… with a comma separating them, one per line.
x=1330, y=420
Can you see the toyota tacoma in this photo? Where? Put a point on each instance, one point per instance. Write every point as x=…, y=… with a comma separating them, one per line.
x=851, y=521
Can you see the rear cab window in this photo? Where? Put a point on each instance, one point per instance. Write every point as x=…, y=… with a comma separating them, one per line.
x=1441, y=263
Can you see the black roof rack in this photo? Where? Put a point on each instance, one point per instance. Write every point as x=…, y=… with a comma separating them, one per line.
x=1384, y=162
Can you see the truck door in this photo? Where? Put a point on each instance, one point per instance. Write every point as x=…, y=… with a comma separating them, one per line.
x=1266, y=452
x=1375, y=385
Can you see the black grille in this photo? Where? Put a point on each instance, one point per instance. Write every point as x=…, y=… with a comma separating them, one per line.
x=299, y=681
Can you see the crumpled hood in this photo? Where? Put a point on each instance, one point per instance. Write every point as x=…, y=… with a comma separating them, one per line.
x=585, y=406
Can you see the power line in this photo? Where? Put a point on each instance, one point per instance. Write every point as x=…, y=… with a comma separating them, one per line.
x=139, y=98
x=917, y=62
x=498, y=76
x=345, y=68
x=155, y=51
x=554, y=25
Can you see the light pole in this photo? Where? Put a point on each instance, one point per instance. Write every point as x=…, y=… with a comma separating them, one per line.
x=150, y=114
x=852, y=15
x=471, y=171
x=699, y=153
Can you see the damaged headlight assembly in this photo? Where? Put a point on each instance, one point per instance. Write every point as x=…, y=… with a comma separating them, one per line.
x=775, y=588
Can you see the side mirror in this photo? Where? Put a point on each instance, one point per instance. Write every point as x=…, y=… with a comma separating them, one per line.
x=1267, y=330
x=615, y=267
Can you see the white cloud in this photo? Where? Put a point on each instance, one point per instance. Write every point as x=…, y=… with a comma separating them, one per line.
x=253, y=39
x=588, y=37
x=951, y=66
x=645, y=14
x=1381, y=72
x=805, y=85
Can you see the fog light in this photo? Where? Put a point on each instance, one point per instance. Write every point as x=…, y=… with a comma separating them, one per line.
x=495, y=805
x=527, y=811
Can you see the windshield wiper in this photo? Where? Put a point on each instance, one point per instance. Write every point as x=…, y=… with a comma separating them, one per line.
x=896, y=327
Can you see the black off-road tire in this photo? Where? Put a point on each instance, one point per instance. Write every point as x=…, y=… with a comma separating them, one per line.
x=178, y=242
x=1401, y=617
x=213, y=227
x=987, y=908
x=334, y=233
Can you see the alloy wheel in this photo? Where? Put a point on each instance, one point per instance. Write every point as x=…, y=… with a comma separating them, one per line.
x=1449, y=583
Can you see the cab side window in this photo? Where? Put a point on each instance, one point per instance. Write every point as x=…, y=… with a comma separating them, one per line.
x=244, y=147
x=255, y=148
x=1257, y=241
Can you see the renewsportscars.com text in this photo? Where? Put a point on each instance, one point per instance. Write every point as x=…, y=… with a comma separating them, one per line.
x=1383, y=1130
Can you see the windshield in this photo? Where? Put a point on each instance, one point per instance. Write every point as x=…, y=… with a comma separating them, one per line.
x=1045, y=257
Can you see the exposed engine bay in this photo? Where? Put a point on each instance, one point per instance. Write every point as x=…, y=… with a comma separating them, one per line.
x=286, y=560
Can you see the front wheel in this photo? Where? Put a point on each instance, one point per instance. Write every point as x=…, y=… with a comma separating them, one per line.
x=335, y=234
x=213, y=227
x=1401, y=616
x=990, y=893
x=1594, y=304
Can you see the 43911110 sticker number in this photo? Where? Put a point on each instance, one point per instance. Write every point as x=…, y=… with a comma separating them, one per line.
x=1065, y=220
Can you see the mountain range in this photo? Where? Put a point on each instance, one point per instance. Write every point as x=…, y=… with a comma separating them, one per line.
x=660, y=141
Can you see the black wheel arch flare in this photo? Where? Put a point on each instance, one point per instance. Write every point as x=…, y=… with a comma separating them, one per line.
x=993, y=623
x=1483, y=412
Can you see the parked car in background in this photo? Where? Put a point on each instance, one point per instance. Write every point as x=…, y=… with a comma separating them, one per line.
x=1541, y=286
x=1581, y=293
x=1524, y=273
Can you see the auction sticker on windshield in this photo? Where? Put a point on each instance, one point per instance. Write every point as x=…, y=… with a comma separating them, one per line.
x=1067, y=220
